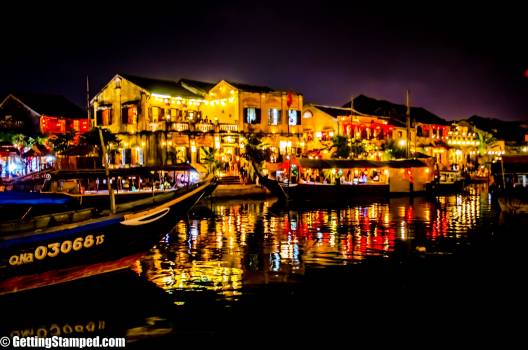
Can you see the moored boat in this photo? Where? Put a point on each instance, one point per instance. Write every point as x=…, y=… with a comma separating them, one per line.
x=53, y=231
x=446, y=182
x=510, y=184
x=345, y=180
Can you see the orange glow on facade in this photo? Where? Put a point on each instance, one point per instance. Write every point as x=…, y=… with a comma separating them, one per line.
x=55, y=125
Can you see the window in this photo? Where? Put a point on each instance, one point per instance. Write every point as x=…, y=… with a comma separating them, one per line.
x=104, y=116
x=155, y=114
x=274, y=115
x=294, y=117
x=252, y=115
x=129, y=114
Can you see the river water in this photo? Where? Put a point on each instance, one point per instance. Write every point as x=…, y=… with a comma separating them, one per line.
x=402, y=270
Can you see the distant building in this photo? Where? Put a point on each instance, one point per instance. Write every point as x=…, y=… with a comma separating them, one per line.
x=428, y=132
x=32, y=114
x=321, y=123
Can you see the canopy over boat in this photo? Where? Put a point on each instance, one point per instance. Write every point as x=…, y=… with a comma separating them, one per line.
x=347, y=163
x=133, y=171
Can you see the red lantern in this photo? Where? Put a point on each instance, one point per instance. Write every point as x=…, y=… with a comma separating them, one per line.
x=289, y=99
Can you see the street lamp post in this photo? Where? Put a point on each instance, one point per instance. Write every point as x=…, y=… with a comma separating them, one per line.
x=166, y=137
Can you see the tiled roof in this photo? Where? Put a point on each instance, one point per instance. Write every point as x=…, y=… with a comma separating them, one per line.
x=159, y=86
x=251, y=88
x=51, y=105
x=372, y=106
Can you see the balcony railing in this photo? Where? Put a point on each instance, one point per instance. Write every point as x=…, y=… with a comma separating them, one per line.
x=201, y=127
x=179, y=126
x=228, y=128
x=204, y=127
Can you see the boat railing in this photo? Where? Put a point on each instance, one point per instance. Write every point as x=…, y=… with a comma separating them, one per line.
x=41, y=222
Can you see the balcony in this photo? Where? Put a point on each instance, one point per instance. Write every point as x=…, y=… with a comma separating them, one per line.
x=179, y=127
x=204, y=127
x=228, y=128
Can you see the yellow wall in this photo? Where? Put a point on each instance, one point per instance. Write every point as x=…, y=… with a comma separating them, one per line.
x=319, y=121
x=399, y=179
x=155, y=146
x=226, y=104
x=222, y=104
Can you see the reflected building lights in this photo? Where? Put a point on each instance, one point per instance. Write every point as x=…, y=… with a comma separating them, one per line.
x=246, y=243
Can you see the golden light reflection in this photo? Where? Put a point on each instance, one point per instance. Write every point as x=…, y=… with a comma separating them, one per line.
x=247, y=243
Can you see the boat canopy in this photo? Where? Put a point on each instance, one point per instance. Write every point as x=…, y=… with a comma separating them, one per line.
x=347, y=163
x=132, y=171
x=32, y=198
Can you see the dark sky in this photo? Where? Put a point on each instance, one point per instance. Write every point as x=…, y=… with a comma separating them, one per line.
x=456, y=60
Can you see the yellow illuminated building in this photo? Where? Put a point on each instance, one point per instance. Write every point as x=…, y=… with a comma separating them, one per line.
x=152, y=118
x=322, y=123
x=165, y=122
x=275, y=115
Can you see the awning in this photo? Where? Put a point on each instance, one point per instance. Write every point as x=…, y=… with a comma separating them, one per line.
x=123, y=172
x=347, y=163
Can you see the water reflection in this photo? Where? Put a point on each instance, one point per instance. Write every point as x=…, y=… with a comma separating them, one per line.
x=253, y=243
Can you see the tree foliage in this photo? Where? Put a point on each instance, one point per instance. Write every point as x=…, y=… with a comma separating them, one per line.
x=357, y=148
x=209, y=159
x=256, y=152
x=91, y=138
x=341, y=147
x=395, y=151
x=62, y=142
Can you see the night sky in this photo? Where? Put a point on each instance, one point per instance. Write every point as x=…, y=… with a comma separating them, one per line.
x=457, y=61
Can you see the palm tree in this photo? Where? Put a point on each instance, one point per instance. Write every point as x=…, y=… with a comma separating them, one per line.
x=209, y=159
x=256, y=152
x=19, y=140
x=485, y=140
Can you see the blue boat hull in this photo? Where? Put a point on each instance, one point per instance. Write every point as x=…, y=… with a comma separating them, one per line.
x=102, y=239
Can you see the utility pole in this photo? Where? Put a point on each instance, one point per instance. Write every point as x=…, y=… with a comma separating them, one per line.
x=88, y=97
x=352, y=129
x=107, y=173
x=408, y=124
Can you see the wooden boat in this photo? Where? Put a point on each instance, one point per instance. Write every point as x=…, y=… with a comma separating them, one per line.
x=510, y=184
x=54, y=231
x=346, y=180
x=447, y=182
x=88, y=186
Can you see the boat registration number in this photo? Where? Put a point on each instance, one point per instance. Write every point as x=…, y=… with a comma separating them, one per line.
x=55, y=249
